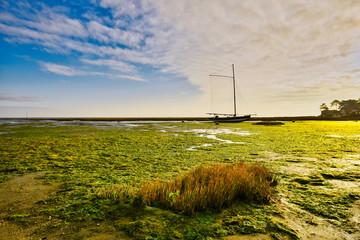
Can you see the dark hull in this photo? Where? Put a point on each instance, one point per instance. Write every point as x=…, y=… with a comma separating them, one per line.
x=233, y=119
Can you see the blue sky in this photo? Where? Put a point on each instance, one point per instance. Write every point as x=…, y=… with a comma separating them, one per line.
x=117, y=58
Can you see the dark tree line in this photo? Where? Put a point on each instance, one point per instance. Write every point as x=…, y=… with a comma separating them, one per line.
x=343, y=107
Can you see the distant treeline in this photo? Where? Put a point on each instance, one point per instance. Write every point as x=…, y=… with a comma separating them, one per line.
x=341, y=108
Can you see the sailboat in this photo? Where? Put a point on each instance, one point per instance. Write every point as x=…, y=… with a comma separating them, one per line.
x=230, y=118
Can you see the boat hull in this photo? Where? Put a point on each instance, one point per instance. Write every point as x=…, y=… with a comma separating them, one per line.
x=233, y=119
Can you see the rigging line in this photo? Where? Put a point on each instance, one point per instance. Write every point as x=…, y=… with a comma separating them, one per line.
x=217, y=98
x=213, y=75
x=220, y=70
x=211, y=94
x=245, y=96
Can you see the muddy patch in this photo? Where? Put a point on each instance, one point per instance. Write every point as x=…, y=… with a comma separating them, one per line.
x=344, y=184
x=356, y=216
x=249, y=237
x=310, y=226
x=291, y=164
x=101, y=231
x=289, y=158
x=299, y=169
x=341, y=136
x=22, y=193
x=19, y=199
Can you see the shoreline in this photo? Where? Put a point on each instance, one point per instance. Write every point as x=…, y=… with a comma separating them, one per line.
x=296, y=118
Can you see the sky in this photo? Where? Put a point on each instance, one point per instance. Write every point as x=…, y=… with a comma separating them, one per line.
x=143, y=58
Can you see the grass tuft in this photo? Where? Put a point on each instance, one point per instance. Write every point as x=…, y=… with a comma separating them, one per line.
x=204, y=188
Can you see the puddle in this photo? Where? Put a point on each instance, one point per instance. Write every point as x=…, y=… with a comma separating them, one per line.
x=211, y=134
x=277, y=156
x=340, y=136
x=219, y=131
x=194, y=148
x=53, y=123
x=352, y=157
x=216, y=138
x=15, y=121
x=336, y=136
x=104, y=124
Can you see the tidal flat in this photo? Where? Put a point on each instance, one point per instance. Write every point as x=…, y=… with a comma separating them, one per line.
x=53, y=176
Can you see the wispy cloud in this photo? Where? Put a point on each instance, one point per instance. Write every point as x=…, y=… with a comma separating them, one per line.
x=311, y=90
x=61, y=69
x=105, y=34
x=73, y=71
x=134, y=78
x=43, y=19
x=120, y=8
x=14, y=98
x=112, y=64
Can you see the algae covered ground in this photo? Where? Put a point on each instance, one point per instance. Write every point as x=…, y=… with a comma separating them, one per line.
x=59, y=180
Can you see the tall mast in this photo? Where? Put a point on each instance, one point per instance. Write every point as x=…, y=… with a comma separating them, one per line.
x=234, y=89
x=234, y=84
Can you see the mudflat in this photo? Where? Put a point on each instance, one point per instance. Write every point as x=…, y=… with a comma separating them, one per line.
x=63, y=180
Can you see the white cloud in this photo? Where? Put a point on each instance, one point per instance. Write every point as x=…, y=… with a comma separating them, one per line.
x=50, y=22
x=7, y=17
x=61, y=69
x=134, y=78
x=123, y=7
x=45, y=20
x=72, y=71
x=111, y=63
x=29, y=34
x=106, y=34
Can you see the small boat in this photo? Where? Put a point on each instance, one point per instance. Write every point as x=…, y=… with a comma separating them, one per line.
x=229, y=118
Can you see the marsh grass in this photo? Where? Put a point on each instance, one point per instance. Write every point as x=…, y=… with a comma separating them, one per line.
x=204, y=188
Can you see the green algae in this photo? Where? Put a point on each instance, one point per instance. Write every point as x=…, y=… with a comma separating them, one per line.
x=86, y=159
x=269, y=123
x=342, y=175
x=334, y=205
x=313, y=179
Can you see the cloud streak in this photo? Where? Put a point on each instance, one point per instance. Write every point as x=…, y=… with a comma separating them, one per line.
x=112, y=64
x=72, y=71
x=105, y=34
x=13, y=98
